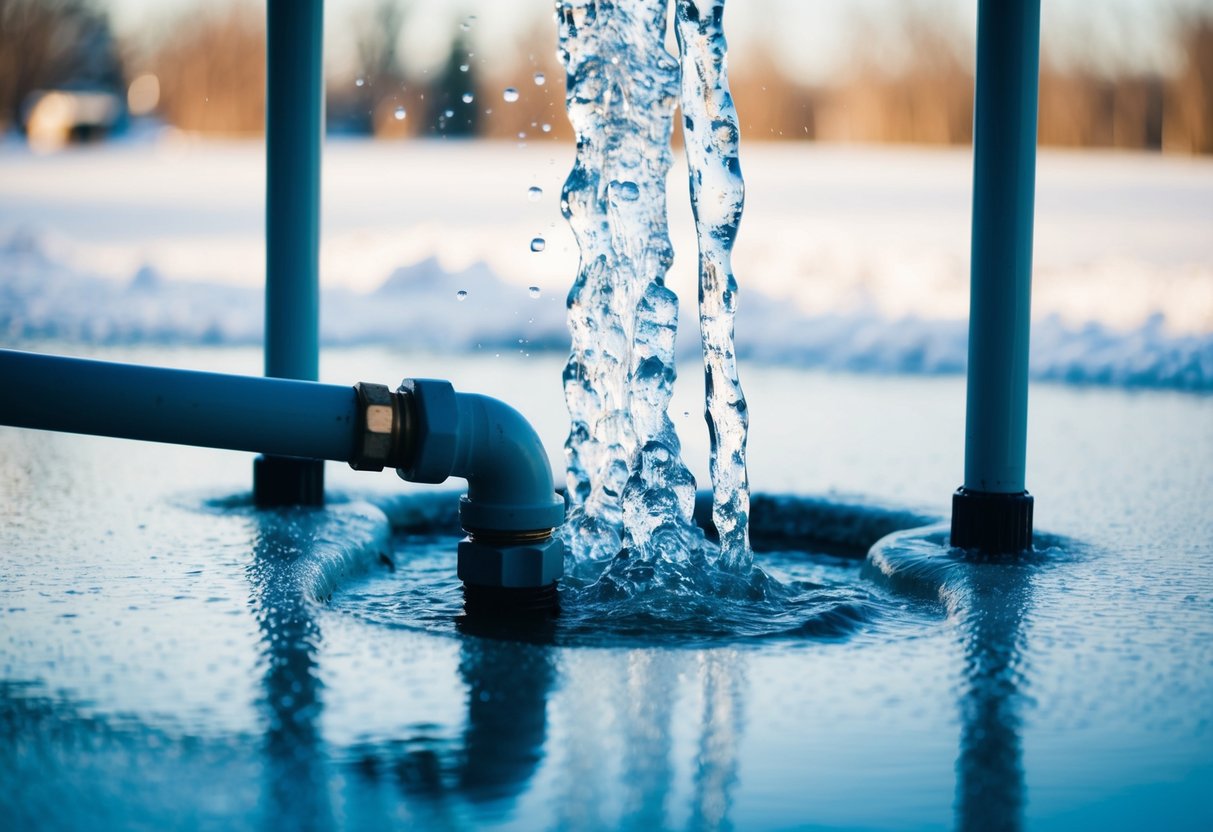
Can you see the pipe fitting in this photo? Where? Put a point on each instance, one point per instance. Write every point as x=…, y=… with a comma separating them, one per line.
x=382, y=428
x=527, y=565
x=425, y=430
x=493, y=447
x=511, y=506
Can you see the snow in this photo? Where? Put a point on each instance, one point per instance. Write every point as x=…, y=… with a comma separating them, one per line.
x=850, y=258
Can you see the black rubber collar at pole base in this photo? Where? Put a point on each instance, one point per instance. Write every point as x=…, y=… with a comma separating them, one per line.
x=991, y=524
x=280, y=481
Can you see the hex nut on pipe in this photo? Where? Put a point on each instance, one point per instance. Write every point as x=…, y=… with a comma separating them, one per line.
x=377, y=421
x=526, y=565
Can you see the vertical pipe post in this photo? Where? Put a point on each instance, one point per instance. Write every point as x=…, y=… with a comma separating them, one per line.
x=294, y=113
x=992, y=511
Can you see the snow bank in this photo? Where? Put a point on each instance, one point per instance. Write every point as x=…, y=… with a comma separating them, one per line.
x=419, y=307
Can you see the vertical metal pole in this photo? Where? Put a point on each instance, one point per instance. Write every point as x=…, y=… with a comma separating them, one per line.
x=992, y=512
x=294, y=127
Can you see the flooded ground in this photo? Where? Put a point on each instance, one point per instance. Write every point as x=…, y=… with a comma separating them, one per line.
x=171, y=658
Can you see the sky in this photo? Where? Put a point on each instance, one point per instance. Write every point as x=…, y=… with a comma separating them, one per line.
x=811, y=36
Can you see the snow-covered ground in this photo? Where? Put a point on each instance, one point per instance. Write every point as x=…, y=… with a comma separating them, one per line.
x=849, y=257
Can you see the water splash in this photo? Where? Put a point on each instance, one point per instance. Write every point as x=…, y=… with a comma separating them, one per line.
x=620, y=96
x=711, y=137
x=631, y=495
x=629, y=492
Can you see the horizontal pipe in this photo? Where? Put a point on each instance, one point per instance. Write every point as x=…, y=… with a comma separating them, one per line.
x=241, y=413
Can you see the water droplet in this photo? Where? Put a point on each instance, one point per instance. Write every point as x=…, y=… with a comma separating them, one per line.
x=538, y=244
x=533, y=291
x=510, y=95
x=540, y=79
x=400, y=114
x=468, y=98
x=547, y=128
x=462, y=294
x=358, y=82
x=625, y=191
x=534, y=193
x=463, y=67
x=448, y=113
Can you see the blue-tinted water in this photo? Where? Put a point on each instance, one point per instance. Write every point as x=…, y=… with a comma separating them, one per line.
x=169, y=661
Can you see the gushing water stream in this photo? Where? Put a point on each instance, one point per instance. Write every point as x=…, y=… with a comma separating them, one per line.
x=631, y=495
x=711, y=136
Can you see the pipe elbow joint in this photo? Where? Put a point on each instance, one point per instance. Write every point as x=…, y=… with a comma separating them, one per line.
x=511, y=506
x=511, y=493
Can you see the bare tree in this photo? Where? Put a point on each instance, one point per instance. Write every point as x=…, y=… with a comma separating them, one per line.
x=212, y=71
x=380, y=75
x=1189, y=118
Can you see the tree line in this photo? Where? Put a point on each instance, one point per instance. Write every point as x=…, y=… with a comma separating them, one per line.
x=209, y=65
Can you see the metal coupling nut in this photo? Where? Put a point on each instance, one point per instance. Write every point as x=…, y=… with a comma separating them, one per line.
x=533, y=563
x=382, y=428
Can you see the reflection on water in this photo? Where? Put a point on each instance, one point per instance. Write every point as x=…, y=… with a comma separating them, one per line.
x=296, y=778
x=647, y=711
x=990, y=793
x=722, y=676
x=506, y=728
x=606, y=737
x=640, y=718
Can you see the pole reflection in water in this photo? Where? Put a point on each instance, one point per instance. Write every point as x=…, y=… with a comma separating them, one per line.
x=503, y=739
x=618, y=763
x=296, y=792
x=504, y=734
x=990, y=793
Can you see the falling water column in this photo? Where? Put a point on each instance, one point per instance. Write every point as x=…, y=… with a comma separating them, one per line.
x=992, y=512
x=293, y=132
